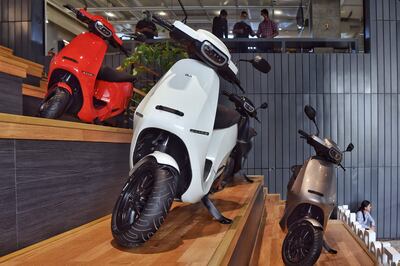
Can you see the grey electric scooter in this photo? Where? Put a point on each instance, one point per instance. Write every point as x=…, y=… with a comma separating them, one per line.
x=311, y=197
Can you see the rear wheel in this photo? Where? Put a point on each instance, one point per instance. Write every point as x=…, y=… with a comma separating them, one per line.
x=143, y=203
x=56, y=105
x=302, y=244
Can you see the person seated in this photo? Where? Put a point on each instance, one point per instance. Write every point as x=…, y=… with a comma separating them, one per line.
x=364, y=217
x=241, y=29
x=146, y=26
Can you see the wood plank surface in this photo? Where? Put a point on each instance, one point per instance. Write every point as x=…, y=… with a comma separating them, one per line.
x=23, y=127
x=349, y=251
x=189, y=236
x=33, y=69
x=12, y=67
x=34, y=91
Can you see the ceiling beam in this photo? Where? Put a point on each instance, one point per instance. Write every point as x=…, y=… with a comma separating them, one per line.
x=189, y=21
x=178, y=8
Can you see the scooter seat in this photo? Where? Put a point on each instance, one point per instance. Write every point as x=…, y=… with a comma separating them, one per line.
x=225, y=117
x=111, y=75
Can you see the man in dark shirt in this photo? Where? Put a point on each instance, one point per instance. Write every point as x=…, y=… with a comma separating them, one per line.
x=220, y=25
x=267, y=28
x=146, y=26
x=241, y=29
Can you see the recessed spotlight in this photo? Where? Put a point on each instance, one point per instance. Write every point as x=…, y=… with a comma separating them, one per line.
x=110, y=14
x=278, y=12
x=162, y=13
x=279, y=28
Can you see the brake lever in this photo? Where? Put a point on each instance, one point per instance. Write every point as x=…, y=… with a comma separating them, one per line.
x=256, y=118
x=344, y=169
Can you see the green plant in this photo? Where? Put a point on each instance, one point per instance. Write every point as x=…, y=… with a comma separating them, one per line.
x=150, y=62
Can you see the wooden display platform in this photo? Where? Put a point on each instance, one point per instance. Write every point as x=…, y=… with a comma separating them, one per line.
x=189, y=236
x=33, y=128
x=350, y=252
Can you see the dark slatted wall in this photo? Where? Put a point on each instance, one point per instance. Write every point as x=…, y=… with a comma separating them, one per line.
x=357, y=99
x=22, y=28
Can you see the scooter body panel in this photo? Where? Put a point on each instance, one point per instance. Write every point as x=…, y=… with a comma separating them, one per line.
x=315, y=186
x=184, y=102
x=116, y=95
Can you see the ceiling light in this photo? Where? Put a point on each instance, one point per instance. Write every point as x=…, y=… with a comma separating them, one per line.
x=162, y=13
x=226, y=2
x=280, y=29
x=109, y=14
x=277, y=12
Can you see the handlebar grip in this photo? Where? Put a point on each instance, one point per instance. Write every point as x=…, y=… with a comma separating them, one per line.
x=163, y=23
x=303, y=133
x=70, y=7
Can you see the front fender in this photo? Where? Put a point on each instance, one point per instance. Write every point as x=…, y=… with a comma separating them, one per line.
x=314, y=223
x=161, y=158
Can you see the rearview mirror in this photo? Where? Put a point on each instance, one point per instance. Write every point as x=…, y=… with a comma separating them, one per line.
x=310, y=112
x=350, y=147
x=260, y=64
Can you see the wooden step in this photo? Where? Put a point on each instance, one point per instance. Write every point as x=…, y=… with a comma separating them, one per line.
x=5, y=50
x=189, y=236
x=273, y=198
x=33, y=91
x=349, y=251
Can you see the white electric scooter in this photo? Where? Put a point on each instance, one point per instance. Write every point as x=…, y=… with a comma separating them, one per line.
x=183, y=140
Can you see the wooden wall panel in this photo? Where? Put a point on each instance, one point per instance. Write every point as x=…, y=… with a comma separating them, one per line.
x=10, y=94
x=63, y=187
x=8, y=225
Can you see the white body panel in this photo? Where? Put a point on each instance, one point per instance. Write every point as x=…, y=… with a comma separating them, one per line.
x=192, y=88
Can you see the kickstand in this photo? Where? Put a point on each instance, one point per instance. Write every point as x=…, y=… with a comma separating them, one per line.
x=214, y=211
x=248, y=180
x=328, y=248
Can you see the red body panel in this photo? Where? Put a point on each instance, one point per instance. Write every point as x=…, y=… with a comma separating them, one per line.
x=83, y=58
x=116, y=95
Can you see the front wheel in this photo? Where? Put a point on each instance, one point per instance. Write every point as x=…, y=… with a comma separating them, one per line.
x=143, y=203
x=56, y=105
x=302, y=244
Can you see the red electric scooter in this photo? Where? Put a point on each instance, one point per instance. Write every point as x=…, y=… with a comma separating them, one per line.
x=78, y=83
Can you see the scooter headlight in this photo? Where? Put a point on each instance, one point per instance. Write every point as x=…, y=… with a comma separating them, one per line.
x=103, y=30
x=213, y=54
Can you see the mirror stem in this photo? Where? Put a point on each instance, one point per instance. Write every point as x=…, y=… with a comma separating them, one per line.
x=315, y=123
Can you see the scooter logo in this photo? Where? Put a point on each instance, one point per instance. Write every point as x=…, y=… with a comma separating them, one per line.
x=88, y=73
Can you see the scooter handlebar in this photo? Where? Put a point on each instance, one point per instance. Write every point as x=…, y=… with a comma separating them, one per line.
x=304, y=134
x=162, y=22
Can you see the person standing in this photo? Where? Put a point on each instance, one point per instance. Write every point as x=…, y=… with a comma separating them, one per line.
x=220, y=25
x=267, y=28
x=146, y=26
x=241, y=29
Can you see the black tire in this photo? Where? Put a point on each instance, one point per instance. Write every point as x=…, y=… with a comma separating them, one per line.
x=56, y=105
x=143, y=203
x=302, y=244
